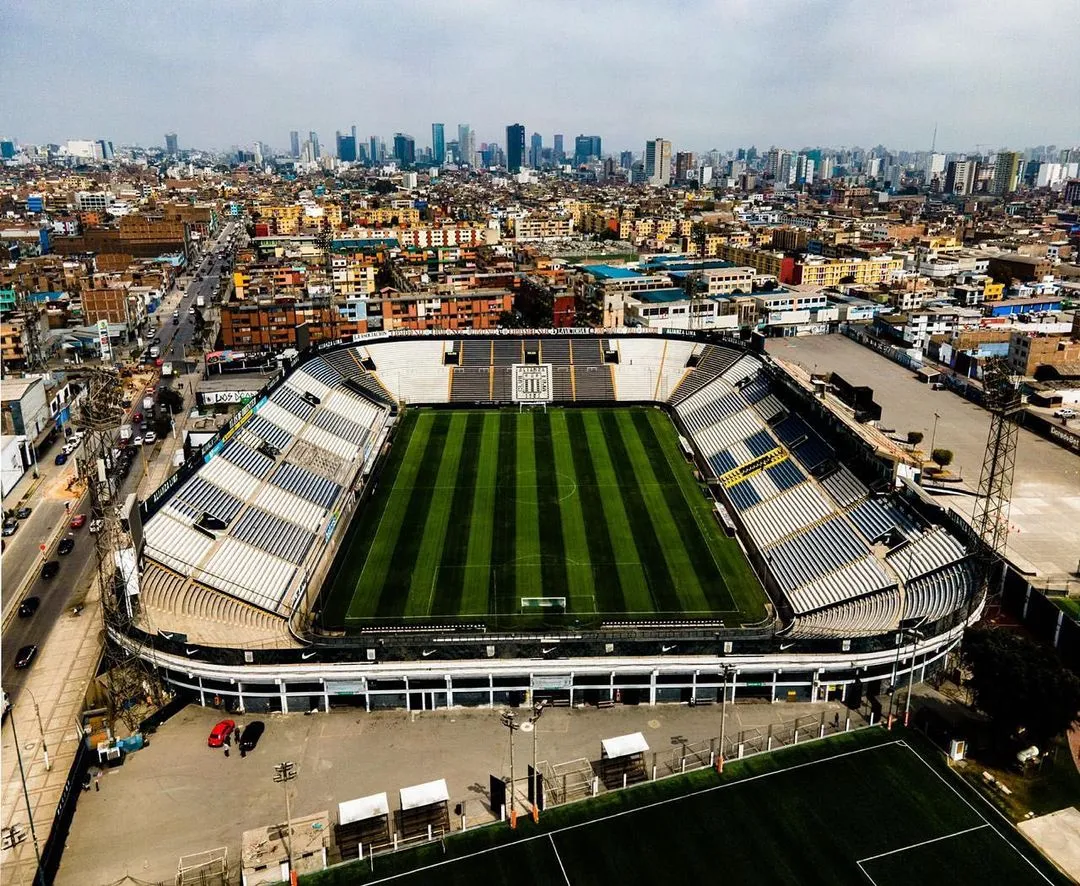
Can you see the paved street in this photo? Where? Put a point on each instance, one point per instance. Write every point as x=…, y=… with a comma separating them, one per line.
x=177, y=796
x=69, y=644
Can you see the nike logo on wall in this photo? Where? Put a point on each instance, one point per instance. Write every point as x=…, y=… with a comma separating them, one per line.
x=666, y=648
x=427, y=652
x=304, y=656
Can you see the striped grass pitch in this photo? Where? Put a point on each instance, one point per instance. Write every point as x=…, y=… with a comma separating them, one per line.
x=475, y=510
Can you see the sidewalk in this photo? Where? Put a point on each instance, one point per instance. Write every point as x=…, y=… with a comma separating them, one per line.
x=66, y=664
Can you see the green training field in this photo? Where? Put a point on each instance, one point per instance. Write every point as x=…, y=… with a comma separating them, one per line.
x=862, y=808
x=476, y=510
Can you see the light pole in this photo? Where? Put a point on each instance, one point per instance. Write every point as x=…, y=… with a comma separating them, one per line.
x=723, y=721
x=38, y=877
x=538, y=710
x=910, y=677
x=284, y=773
x=892, y=680
x=933, y=433
x=41, y=730
x=507, y=718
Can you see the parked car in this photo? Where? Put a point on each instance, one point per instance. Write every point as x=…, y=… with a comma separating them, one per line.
x=251, y=735
x=10, y=525
x=29, y=606
x=66, y=546
x=78, y=521
x=22, y=513
x=136, y=417
x=61, y=458
x=220, y=732
x=149, y=438
x=25, y=656
x=137, y=441
x=96, y=526
x=1065, y=412
x=50, y=569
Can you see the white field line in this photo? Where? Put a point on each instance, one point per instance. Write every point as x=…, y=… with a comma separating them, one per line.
x=977, y=827
x=559, y=859
x=967, y=803
x=614, y=815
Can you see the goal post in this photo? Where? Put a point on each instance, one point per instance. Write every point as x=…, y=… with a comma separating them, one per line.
x=529, y=604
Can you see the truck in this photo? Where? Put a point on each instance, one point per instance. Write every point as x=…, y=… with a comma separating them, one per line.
x=166, y=370
x=200, y=301
x=148, y=404
x=125, y=432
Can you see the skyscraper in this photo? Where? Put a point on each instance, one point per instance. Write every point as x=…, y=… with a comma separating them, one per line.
x=466, y=144
x=658, y=162
x=559, y=153
x=684, y=166
x=536, y=145
x=404, y=149
x=1007, y=169
x=346, y=148
x=960, y=177
x=313, y=137
x=438, y=143
x=294, y=143
x=172, y=144
x=586, y=147
x=373, y=150
x=515, y=147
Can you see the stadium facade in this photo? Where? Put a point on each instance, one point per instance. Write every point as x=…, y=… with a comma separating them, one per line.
x=870, y=582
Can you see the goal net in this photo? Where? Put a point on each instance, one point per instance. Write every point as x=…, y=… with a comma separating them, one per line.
x=530, y=603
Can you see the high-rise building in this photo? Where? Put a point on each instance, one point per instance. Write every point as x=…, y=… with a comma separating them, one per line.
x=466, y=139
x=586, y=148
x=373, y=150
x=658, y=162
x=172, y=144
x=346, y=148
x=438, y=143
x=404, y=149
x=960, y=177
x=626, y=159
x=557, y=152
x=515, y=147
x=313, y=137
x=7, y=149
x=294, y=144
x=536, y=146
x=106, y=149
x=685, y=165
x=1007, y=170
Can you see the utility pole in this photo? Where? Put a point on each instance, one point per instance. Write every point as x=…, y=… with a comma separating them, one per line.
x=284, y=773
x=507, y=718
x=39, y=877
x=723, y=721
x=538, y=710
x=41, y=730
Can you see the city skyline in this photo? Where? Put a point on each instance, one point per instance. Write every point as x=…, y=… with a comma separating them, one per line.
x=791, y=74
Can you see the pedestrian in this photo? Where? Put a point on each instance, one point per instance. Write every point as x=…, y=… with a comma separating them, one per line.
x=236, y=735
x=836, y=720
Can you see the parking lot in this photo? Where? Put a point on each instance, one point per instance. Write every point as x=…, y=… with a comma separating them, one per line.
x=177, y=796
x=1046, y=491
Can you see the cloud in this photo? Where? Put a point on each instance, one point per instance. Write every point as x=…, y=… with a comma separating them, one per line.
x=704, y=74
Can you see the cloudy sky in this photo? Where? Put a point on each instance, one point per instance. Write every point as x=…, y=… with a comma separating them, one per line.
x=790, y=73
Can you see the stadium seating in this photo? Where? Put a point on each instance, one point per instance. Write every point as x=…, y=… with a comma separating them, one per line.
x=470, y=384
x=593, y=382
x=413, y=371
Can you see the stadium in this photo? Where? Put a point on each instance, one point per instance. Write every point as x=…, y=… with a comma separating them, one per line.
x=640, y=516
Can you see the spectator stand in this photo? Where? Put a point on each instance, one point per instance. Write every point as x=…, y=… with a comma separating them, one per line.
x=425, y=811
x=622, y=760
x=363, y=826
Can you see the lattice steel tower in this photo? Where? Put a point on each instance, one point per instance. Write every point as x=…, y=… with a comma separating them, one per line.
x=991, y=517
x=127, y=677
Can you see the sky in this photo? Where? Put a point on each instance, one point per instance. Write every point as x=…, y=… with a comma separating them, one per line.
x=786, y=73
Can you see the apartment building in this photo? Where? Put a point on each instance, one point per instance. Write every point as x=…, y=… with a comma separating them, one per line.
x=864, y=272
x=472, y=309
x=285, y=323
x=543, y=227
x=448, y=235
x=1027, y=352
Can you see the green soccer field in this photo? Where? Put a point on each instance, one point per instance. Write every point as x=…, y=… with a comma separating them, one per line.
x=514, y=517
x=862, y=808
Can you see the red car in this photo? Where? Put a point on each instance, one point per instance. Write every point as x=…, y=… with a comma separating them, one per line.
x=78, y=521
x=222, y=731
x=137, y=417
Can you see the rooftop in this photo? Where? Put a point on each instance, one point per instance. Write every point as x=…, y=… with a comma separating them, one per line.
x=610, y=272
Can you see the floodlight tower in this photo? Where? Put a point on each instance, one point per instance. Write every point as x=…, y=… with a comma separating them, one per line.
x=991, y=517
x=693, y=285
x=126, y=675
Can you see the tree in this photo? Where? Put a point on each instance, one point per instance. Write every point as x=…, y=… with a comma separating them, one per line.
x=943, y=457
x=914, y=438
x=1019, y=683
